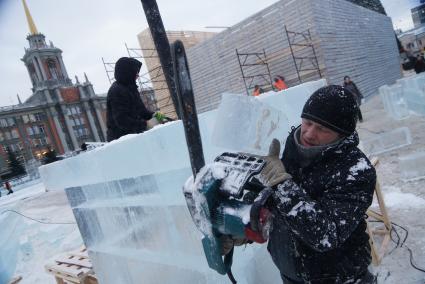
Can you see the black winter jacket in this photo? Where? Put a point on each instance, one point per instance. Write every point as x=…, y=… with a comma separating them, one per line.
x=321, y=213
x=125, y=112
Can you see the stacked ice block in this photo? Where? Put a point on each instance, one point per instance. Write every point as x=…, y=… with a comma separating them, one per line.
x=128, y=202
x=407, y=95
x=387, y=141
x=412, y=166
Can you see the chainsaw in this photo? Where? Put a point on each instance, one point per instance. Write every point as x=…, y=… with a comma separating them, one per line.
x=227, y=200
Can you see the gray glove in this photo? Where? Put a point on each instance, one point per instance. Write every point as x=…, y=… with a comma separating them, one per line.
x=274, y=172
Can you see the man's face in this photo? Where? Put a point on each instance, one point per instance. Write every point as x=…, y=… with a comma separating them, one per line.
x=347, y=80
x=315, y=134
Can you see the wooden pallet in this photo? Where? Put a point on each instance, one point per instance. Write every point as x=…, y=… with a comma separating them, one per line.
x=73, y=268
x=378, y=251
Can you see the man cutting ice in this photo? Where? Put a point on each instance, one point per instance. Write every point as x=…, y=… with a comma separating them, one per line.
x=322, y=187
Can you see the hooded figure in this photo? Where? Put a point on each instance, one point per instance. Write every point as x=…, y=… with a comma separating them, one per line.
x=125, y=112
x=322, y=188
x=352, y=88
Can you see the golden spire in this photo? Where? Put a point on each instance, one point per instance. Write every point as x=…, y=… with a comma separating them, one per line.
x=31, y=25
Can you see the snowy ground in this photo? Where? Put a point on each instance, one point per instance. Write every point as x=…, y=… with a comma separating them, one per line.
x=38, y=243
x=405, y=201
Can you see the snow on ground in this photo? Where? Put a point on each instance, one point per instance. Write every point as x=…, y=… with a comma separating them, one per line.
x=37, y=244
x=405, y=201
x=34, y=244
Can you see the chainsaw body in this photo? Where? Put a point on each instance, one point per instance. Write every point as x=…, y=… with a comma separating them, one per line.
x=228, y=200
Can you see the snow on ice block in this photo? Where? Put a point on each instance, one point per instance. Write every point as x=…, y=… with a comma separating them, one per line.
x=412, y=166
x=394, y=104
x=387, y=141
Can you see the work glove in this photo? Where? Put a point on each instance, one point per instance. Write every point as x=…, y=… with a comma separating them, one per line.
x=274, y=172
x=159, y=116
x=227, y=243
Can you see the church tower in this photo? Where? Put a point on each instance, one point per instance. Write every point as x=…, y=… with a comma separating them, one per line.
x=43, y=61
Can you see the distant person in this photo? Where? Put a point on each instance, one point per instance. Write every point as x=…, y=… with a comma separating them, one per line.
x=126, y=113
x=8, y=187
x=352, y=88
x=257, y=91
x=279, y=83
x=419, y=64
x=84, y=146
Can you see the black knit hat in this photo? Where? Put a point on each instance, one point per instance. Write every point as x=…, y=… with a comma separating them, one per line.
x=333, y=107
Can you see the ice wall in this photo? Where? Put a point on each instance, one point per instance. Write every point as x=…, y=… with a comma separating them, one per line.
x=128, y=202
x=404, y=97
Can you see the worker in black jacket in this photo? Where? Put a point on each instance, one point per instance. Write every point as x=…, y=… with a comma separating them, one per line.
x=125, y=112
x=322, y=187
x=352, y=88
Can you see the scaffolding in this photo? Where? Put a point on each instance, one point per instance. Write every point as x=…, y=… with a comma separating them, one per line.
x=152, y=80
x=303, y=53
x=109, y=68
x=249, y=64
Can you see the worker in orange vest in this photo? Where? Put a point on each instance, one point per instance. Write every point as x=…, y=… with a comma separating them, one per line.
x=257, y=91
x=279, y=83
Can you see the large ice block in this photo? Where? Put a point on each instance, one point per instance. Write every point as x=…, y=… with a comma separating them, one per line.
x=249, y=124
x=291, y=101
x=136, y=227
x=128, y=202
x=415, y=100
x=387, y=141
x=394, y=104
x=244, y=123
x=412, y=166
x=413, y=82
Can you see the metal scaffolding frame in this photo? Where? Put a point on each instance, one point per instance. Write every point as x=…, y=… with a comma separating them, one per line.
x=109, y=68
x=305, y=42
x=248, y=61
x=148, y=78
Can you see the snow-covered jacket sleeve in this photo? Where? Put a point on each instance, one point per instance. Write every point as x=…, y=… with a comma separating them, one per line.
x=326, y=223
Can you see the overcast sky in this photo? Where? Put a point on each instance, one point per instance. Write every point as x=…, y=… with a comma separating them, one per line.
x=87, y=30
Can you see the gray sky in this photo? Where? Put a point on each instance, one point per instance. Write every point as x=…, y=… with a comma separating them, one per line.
x=87, y=30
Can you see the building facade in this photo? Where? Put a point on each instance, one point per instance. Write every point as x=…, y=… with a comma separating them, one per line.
x=348, y=40
x=413, y=41
x=162, y=94
x=59, y=114
x=418, y=15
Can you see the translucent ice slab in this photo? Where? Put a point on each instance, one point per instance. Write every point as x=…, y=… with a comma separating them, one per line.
x=245, y=124
x=394, y=104
x=412, y=166
x=387, y=141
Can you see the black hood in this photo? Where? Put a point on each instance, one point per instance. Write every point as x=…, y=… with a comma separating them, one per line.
x=126, y=70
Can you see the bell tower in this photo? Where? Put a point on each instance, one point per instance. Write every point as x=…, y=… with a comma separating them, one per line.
x=43, y=61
